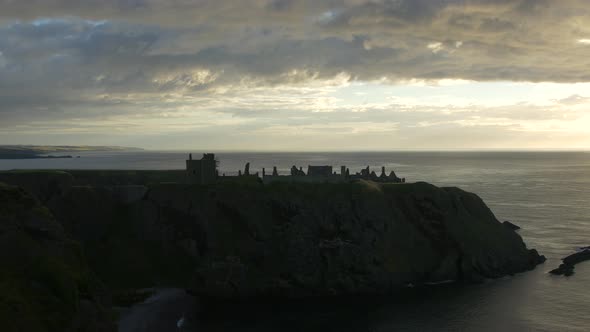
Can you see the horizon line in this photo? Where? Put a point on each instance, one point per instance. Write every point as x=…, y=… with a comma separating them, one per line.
x=189, y=150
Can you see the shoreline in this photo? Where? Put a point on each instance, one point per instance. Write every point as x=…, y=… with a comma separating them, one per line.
x=160, y=312
x=27, y=157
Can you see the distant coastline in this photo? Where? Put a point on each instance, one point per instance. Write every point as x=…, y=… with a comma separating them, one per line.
x=9, y=155
x=46, y=152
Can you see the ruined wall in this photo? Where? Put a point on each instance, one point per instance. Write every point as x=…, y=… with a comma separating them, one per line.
x=304, y=179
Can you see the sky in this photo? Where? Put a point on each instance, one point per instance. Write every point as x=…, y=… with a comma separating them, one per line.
x=296, y=75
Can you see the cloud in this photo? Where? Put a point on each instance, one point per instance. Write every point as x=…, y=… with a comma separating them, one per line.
x=131, y=61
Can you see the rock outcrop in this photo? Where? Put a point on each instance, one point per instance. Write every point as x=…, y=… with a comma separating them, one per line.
x=511, y=225
x=238, y=240
x=568, y=265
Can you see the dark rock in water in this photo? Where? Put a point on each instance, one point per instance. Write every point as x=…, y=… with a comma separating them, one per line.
x=577, y=257
x=535, y=257
x=563, y=269
x=511, y=225
x=568, y=265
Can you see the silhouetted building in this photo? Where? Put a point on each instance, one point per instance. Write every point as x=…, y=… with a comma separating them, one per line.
x=203, y=171
x=297, y=172
x=319, y=170
x=365, y=173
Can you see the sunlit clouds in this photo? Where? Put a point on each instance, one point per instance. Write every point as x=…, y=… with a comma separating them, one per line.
x=296, y=75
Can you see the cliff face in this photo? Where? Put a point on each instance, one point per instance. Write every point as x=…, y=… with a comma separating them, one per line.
x=328, y=239
x=288, y=240
x=45, y=284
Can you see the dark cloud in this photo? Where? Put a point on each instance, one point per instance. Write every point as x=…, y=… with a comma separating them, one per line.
x=495, y=24
x=367, y=39
x=281, y=5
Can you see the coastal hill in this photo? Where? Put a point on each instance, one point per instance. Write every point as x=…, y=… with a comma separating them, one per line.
x=245, y=239
x=45, y=281
x=45, y=151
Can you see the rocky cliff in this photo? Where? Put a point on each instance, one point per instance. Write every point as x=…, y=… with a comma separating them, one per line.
x=235, y=240
x=45, y=283
x=333, y=239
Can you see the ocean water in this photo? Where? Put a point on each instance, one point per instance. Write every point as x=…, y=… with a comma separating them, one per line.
x=546, y=193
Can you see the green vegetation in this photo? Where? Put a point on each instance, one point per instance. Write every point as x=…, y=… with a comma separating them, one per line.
x=115, y=242
x=126, y=262
x=44, y=275
x=126, y=177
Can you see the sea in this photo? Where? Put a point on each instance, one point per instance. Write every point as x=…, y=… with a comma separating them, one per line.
x=546, y=193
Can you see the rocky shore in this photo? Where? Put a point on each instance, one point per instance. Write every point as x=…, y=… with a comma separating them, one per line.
x=567, y=267
x=165, y=310
x=235, y=241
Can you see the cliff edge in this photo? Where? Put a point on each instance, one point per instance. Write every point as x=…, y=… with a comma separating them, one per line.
x=239, y=240
x=298, y=240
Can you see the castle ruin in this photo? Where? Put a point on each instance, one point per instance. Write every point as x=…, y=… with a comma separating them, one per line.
x=204, y=171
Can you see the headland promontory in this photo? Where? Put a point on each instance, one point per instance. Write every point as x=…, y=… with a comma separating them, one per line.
x=243, y=237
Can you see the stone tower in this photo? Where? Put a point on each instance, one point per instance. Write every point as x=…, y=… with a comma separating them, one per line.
x=203, y=171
